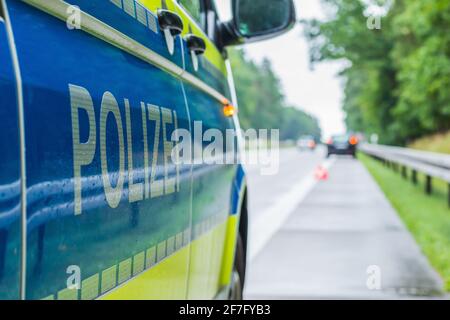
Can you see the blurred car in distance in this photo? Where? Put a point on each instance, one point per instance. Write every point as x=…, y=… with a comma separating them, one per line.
x=306, y=143
x=344, y=144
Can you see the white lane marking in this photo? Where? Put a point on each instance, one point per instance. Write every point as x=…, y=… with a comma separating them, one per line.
x=271, y=220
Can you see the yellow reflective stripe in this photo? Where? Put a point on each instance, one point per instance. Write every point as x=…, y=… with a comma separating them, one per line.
x=152, y=5
x=108, y=279
x=166, y=280
x=231, y=241
x=169, y=278
x=90, y=287
x=124, y=270
x=212, y=54
x=210, y=269
x=229, y=250
x=68, y=294
x=138, y=263
x=206, y=260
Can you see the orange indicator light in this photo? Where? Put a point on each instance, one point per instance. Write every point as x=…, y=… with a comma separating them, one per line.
x=353, y=140
x=229, y=110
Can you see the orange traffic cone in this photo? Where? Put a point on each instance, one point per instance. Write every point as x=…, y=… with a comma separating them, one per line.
x=321, y=173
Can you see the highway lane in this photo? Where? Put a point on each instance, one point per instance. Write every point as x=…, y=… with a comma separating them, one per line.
x=342, y=240
x=265, y=190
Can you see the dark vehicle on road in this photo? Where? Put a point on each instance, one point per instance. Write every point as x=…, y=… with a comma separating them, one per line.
x=344, y=144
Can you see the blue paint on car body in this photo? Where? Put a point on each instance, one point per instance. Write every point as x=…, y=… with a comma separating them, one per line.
x=63, y=71
x=10, y=180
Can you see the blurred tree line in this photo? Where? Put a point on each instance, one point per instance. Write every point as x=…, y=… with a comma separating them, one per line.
x=397, y=79
x=261, y=101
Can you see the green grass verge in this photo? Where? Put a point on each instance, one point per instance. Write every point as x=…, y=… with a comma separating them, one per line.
x=436, y=143
x=427, y=217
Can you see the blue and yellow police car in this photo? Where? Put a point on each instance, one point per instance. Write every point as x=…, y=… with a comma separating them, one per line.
x=93, y=204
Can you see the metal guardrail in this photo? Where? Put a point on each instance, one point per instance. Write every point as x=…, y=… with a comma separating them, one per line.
x=432, y=165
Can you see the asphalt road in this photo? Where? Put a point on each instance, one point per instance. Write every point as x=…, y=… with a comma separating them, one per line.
x=265, y=190
x=341, y=240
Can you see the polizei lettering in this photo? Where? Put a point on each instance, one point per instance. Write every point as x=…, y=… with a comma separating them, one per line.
x=111, y=137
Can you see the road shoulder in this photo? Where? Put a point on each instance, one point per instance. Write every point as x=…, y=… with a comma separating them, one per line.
x=343, y=241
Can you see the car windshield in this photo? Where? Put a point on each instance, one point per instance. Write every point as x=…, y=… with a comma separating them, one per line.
x=340, y=138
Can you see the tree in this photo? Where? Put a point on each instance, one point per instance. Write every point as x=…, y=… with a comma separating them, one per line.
x=397, y=77
x=262, y=103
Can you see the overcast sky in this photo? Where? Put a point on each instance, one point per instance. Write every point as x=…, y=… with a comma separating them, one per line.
x=318, y=91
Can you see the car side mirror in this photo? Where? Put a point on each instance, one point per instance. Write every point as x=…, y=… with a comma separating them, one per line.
x=256, y=20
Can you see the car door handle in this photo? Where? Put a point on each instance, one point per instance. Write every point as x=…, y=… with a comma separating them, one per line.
x=195, y=44
x=169, y=20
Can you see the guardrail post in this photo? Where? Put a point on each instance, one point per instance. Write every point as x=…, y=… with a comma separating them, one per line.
x=404, y=172
x=449, y=195
x=428, y=185
x=414, y=177
x=413, y=163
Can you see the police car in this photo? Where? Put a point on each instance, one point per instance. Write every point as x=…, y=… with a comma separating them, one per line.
x=93, y=204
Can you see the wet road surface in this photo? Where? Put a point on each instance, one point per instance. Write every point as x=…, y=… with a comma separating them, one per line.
x=265, y=190
x=343, y=241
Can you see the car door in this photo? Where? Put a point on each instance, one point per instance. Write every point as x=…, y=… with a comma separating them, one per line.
x=212, y=178
x=108, y=211
x=10, y=176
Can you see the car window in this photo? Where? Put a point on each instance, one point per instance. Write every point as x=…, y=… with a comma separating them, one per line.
x=340, y=138
x=194, y=8
x=213, y=20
